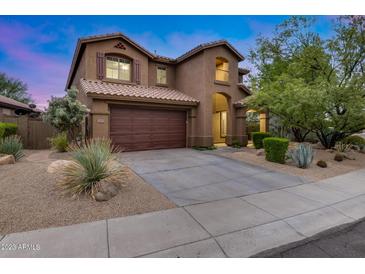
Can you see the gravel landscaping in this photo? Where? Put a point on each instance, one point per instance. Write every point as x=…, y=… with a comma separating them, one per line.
x=29, y=198
x=314, y=173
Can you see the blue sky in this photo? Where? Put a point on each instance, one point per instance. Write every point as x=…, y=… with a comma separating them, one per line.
x=38, y=49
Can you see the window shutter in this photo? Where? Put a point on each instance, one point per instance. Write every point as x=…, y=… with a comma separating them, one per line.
x=100, y=65
x=137, y=72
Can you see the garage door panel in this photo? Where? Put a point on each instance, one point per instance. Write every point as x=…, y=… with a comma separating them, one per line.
x=142, y=129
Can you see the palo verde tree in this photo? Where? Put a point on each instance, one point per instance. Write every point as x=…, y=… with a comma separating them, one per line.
x=66, y=113
x=311, y=84
x=14, y=89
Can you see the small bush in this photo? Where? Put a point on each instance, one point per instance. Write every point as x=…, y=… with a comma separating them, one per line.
x=12, y=145
x=258, y=137
x=91, y=163
x=2, y=131
x=302, y=155
x=236, y=144
x=275, y=149
x=9, y=129
x=59, y=142
x=354, y=140
x=342, y=147
x=339, y=157
x=322, y=164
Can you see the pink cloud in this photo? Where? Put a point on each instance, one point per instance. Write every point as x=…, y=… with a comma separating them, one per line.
x=44, y=74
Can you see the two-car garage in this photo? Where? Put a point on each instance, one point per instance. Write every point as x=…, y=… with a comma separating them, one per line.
x=136, y=128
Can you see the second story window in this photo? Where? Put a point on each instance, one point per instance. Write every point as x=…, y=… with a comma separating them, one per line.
x=118, y=68
x=221, y=69
x=161, y=75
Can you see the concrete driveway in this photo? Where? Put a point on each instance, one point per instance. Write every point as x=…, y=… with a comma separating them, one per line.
x=187, y=176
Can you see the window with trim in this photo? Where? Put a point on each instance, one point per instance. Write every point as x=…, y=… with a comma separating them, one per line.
x=221, y=69
x=161, y=75
x=118, y=68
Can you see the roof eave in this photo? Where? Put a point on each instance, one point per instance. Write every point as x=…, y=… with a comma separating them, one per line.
x=140, y=99
x=245, y=89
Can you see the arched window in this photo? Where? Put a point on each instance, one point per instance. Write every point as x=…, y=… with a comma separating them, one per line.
x=221, y=69
x=118, y=67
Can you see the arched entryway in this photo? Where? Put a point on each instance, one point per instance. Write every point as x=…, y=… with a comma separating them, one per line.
x=220, y=118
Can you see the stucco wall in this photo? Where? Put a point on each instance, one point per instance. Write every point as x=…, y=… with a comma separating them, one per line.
x=108, y=47
x=194, y=76
x=152, y=74
x=190, y=80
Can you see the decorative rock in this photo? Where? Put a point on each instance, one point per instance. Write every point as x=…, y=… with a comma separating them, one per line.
x=56, y=166
x=260, y=152
x=101, y=197
x=112, y=189
x=106, y=190
x=339, y=157
x=322, y=164
x=7, y=159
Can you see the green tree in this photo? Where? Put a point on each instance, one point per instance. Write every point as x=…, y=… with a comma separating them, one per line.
x=313, y=85
x=66, y=114
x=14, y=89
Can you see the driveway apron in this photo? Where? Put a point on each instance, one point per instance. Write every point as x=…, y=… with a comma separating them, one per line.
x=190, y=177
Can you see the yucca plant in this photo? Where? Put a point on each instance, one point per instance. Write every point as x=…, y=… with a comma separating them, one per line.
x=302, y=155
x=91, y=163
x=12, y=145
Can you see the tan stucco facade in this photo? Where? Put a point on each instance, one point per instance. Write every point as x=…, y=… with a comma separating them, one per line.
x=194, y=76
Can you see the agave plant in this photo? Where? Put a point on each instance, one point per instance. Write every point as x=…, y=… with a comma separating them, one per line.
x=12, y=145
x=302, y=155
x=91, y=163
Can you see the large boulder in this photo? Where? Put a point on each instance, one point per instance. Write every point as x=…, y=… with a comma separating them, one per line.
x=7, y=159
x=57, y=166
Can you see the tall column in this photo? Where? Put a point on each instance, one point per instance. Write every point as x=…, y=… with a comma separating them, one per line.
x=264, y=122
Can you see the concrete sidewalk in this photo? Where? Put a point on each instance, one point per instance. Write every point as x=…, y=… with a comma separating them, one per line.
x=232, y=227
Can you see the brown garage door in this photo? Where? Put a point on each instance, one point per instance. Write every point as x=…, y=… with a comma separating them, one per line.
x=142, y=129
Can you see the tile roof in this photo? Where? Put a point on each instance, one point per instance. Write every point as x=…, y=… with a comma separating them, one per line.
x=136, y=92
x=209, y=45
x=13, y=103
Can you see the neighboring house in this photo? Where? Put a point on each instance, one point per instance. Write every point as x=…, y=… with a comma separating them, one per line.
x=145, y=101
x=11, y=107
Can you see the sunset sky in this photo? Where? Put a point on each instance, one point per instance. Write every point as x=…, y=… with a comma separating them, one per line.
x=38, y=49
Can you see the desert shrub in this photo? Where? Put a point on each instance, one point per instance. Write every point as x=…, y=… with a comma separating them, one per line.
x=236, y=143
x=342, y=147
x=8, y=128
x=275, y=149
x=354, y=140
x=59, y=142
x=12, y=145
x=322, y=164
x=258, y=137
x=91, y=163
x=339, y=157
x=302, y=155
x=2, y=131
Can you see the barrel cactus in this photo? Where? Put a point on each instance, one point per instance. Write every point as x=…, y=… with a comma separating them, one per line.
x=302, y=155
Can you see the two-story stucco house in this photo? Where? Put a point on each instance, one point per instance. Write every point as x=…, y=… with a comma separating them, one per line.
x=145, y=101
